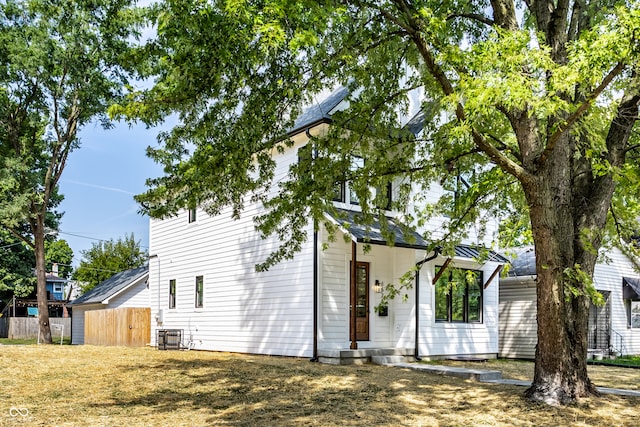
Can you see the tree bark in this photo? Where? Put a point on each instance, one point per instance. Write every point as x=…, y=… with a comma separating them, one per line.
x=41, y=289
x=563, y=300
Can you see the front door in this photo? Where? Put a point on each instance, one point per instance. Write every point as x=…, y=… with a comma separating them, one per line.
x=362, y=301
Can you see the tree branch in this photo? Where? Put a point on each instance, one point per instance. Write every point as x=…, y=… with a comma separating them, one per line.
x=582, y=109
x=473, y=16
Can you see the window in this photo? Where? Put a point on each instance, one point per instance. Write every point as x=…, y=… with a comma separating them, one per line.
x=57, y=288
x=459, y=296
x=199, y=291
x=384, y=196
x=192, y=215
x=343, y=191
x=635, y=314
x=172, y=293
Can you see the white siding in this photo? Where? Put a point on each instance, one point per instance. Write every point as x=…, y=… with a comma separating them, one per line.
x=386, y=265
x=77, y=321
x=438, y=339
x=518, y=334
x=518, y=308
x=244, y=311
x=136, y=296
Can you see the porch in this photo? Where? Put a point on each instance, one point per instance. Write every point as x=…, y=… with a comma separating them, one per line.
x=365, y=355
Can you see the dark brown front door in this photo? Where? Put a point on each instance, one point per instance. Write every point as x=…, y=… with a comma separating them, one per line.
x=362, y=301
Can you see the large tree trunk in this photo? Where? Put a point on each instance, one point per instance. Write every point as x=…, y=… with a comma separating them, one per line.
x=562, y=265
x=41, y=292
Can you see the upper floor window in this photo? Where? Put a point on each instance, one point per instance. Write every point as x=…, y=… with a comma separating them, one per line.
x=172, y=293
x=199, y=291
x=459, y=295
x=57, y=288
x=344, y=192
x=192, y=215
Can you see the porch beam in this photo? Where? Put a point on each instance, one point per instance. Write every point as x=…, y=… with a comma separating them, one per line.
x=493, y=275
x=441, y=272
x=352, y=297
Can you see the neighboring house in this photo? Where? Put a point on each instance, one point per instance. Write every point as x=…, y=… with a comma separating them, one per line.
x=203, y=282
x=55, y=287
x=611, y=326
x=127, y=289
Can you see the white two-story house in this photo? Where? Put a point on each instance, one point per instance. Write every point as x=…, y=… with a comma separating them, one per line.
x=320, y=304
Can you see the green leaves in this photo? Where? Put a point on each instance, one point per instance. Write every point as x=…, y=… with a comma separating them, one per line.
x=107, y=258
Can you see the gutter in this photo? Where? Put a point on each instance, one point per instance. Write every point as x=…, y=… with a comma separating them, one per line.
x=436, y=252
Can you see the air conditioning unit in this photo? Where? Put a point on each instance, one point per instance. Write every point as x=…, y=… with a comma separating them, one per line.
x=169, y=339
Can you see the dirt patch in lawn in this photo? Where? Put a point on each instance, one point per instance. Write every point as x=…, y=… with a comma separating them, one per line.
x=109, y=386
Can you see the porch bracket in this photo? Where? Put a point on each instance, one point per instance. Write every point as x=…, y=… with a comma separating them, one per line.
x=493, y=275
x=441, y=272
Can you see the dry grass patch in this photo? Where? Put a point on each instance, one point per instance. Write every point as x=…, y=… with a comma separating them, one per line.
x=108, y=386
x=602, y=376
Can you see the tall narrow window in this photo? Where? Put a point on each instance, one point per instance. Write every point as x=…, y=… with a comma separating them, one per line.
x=356, y=163
x=192, y=215
x=199, y=291
x=172, y=293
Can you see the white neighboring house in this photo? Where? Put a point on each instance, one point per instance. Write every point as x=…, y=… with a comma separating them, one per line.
x=125, y=289
x=203, y=282
x=611, y=326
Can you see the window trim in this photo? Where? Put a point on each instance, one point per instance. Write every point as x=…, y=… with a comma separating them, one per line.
x=172, y=293
x=199, y=301
x=446, y=276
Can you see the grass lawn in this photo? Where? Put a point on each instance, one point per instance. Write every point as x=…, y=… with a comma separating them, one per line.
x=111, y=386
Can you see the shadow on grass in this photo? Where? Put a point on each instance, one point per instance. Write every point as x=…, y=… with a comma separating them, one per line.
x=280, y=391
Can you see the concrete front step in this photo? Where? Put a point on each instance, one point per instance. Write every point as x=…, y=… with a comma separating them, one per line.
x=362, y=356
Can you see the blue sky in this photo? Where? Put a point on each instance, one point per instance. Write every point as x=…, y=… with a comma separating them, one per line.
x=99, y=182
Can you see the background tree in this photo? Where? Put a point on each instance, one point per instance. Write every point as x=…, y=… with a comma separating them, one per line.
x=107, y=258
x=535, y=102
x=16, y=267
x=60, y=66
x=58, y=252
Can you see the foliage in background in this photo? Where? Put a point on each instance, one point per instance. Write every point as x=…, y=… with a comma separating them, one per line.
x=59, y=252
x=17, y=263
x=62, y=62
x=107, y=258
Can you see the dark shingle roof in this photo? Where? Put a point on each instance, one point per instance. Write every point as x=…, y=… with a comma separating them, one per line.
x=630, y=288
x=372, y=233
x=112, y=286
x=319, y=112
x=403, y=237
x=524, y=262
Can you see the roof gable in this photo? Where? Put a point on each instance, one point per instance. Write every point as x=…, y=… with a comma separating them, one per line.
x=114, y=285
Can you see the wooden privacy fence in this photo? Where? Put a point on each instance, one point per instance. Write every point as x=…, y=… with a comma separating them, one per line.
x=28, y=327
x=130, y=327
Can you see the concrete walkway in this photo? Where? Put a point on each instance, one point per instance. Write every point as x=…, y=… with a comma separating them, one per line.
x=492, y=377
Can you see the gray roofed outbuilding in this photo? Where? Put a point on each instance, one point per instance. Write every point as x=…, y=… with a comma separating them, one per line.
x=112, y=286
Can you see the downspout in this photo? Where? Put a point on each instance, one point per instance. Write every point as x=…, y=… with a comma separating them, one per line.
x=315, y=293
x=315, y=273
x=419, y=264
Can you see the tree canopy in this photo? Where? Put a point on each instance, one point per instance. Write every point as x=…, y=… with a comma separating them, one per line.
x=107, y=258
x=61, y=63
x=534, y=103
